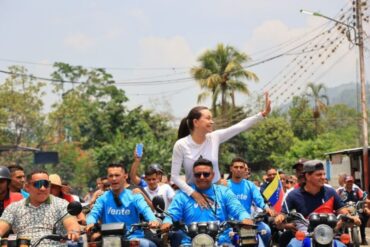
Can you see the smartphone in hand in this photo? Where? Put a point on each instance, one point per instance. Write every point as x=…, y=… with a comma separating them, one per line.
x=139, y=150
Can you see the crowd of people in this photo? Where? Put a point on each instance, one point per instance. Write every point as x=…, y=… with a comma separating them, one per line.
x=30, y=205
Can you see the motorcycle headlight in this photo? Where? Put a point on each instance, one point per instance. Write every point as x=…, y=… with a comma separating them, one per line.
x=323, y=234
x=113, y=241
x=202, y=240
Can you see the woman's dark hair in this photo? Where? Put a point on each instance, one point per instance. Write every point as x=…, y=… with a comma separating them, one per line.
x=187, y=124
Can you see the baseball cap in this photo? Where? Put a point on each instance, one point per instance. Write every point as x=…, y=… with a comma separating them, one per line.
x=301, y=161
x=313, y=165
x=349, y=178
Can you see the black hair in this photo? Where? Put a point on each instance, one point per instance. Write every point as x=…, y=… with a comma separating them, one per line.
x=238, y=159
x=187, y=124
x=269, y=168
x=119, y=164
x=202, y=162
x=29, y=176
x=14, y=168
x=150, y=172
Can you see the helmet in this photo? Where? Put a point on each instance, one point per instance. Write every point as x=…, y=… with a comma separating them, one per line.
x=156, y=167
x=4, y=172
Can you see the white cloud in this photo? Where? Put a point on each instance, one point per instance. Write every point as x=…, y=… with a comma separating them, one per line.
x=113, y=33
x=80, y=42
x=165, y=52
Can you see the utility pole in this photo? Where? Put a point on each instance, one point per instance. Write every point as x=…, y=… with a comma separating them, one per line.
x=359, y=41
x=360, y=38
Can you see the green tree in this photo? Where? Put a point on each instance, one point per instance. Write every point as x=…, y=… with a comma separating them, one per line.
x=259, y=144
x=22, y=122
x=92, y=111
x=21, y=108
x=317, y=94
x=300, y=117
x=221, y=74
x=99, y=123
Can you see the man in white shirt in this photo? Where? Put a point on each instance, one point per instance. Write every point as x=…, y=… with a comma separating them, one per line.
x=155, y=188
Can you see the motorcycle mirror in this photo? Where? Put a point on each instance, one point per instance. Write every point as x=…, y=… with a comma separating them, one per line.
x=158, y=203
x=74, y=208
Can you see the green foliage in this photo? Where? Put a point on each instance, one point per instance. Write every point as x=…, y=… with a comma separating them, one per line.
x=75, y=165
x=221, y=74
x=94, y=114
x=141, y=127
x=301, y=120
x=90, y=126
x=21, y=119
x=259, y=144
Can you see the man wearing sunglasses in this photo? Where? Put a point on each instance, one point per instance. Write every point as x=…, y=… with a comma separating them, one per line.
x=35, y=216
x=222, y=204
x=247, y=193
x=121, y=205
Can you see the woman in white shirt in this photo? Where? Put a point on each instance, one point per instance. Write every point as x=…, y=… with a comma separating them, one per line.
x=196, y=138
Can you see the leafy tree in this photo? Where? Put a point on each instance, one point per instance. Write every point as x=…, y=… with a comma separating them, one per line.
x=97, y=120
x=221, y=74
x=301, y=120
x=260, y=143
x=93, y=110
x=22, y=122
x=317, y=94
x=20, y=108
x=140, y=127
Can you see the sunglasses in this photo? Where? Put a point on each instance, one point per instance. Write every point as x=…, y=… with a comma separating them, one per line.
x=199, y=174
x=289, y=182
x=38, y=184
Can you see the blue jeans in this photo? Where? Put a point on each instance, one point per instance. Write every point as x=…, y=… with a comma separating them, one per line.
x=296, y=243
x=262, y=226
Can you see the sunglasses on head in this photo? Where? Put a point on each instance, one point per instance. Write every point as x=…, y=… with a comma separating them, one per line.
x=38, y=184
x=199, y=174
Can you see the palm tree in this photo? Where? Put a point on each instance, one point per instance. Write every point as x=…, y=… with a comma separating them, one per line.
x=317, y=95
x=221, y=74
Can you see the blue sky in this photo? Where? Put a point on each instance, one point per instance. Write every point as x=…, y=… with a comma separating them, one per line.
x=157, y=42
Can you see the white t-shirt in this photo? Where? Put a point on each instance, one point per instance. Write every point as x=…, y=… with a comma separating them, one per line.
x=163, y=190
x=186, y=152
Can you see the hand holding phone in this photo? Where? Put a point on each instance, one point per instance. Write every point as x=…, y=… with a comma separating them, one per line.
x=139, y=150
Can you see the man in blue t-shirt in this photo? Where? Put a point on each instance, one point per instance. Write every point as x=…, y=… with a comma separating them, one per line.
x=313, y=197
x=121, y=205
x=222, y=204
x=248, y=194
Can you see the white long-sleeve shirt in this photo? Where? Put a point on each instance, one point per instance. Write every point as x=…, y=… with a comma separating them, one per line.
x=186, y=152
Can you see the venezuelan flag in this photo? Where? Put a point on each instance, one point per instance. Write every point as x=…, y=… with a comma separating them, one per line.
x=274, y=193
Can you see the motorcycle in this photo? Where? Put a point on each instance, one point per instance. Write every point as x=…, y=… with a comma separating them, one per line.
x=116, y=235
x=73, y=208
x=320, y=229
x=244, y=235
x=353, y=230
x=204, y=234
x=270, y=221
